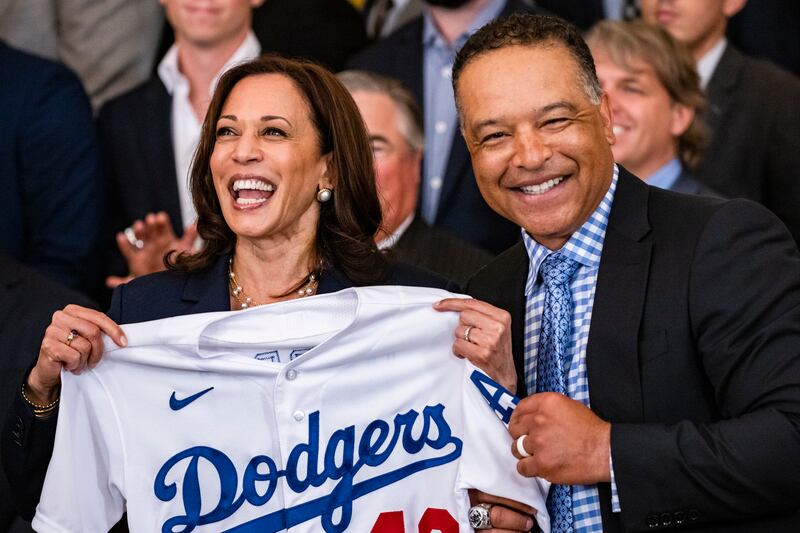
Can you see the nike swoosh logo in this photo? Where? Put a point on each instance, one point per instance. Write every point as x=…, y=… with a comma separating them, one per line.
x=176, y=405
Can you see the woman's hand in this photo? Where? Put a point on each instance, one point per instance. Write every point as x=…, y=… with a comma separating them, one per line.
x=483, y=336
x=72, y=340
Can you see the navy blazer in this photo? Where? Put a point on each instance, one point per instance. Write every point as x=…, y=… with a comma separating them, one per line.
x=693, y=356
x=51, y=209
x=167, y=294
x=462, y=210
x=28, y=442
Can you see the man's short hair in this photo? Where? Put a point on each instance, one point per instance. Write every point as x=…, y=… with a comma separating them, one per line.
x=411, y=125
x=673, y=64
x=525, y=29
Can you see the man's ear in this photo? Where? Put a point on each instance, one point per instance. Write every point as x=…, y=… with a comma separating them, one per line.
x=607, y=117
x=731, y=7
x=682, y=117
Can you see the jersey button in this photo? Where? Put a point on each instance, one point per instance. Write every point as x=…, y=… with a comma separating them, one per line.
x=291, y=374
x=299, y=416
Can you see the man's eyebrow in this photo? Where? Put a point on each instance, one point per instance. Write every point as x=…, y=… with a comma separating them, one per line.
x=485, y=123
x=378, y=138
x=563, y=104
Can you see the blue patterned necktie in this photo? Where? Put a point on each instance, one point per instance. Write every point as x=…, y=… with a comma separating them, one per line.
x=557, y=271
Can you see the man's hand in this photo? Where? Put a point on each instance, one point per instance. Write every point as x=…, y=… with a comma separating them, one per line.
x=507, y=515
x=156, y=239
x=483, y=336
x=567, y=442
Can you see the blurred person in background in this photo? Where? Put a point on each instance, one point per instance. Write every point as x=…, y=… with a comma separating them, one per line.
x=655, y=100
x=51, y=211
x=394, y=125
x=753, y=107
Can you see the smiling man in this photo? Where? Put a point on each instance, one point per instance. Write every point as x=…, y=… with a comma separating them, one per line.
x=656, y=334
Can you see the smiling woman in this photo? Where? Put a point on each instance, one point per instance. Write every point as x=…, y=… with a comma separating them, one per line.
x=279, y=137
x=284, y=189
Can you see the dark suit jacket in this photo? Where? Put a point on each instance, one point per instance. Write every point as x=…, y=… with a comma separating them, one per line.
x=430, y=248
x=27, y=303
x=692, y=356
x=50, y=209
x=138, y=161
x=27, y=443
x=687, y=184
x=755, y=147
x=462, y=210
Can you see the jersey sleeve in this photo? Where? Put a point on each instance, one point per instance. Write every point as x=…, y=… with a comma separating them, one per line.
x=487, y=463
x=83, y=490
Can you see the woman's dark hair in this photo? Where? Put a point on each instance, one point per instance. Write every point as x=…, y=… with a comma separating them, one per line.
x=348, y=222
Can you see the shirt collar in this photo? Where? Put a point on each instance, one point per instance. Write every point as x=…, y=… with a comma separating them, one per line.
x=708, y=63
x=584, y=246
x=392, y=239
x=666, y=176
x=431, y=35
x=172, y=77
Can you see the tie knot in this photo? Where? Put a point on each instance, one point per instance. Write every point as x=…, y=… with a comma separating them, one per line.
x=558, y=269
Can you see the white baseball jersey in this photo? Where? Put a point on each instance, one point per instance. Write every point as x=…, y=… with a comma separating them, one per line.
x=340, y=412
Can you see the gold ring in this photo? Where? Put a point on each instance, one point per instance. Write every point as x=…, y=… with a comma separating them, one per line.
x=71, y=337
x=466, y=333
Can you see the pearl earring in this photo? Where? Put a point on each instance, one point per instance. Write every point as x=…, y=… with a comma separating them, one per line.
x=324, y=194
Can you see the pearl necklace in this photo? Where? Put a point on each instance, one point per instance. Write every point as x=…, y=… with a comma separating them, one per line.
x=308, y=288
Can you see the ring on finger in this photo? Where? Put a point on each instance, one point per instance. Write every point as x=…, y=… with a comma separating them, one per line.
x=521, y=447
x=71, y=337
x=466, y=333
x=134, y=241
x=480, y=516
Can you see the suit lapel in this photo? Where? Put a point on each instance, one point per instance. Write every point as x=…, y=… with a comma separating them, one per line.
x=722, y=86
x=612, y=355
x=156, y=140
x=208, y=289
x=457, y=167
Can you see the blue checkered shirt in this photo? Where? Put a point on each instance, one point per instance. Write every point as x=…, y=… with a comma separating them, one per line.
x=584, y=246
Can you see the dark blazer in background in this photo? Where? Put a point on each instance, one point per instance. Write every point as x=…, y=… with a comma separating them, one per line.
x=27, y=443
x=432, y=249
x=583, y=13
x=462, y=210
x=135, y=131
x=51, y=207
x=768, y=29
x=693, y=356
x=27, y=303
x=754, y=110
x=687, y=184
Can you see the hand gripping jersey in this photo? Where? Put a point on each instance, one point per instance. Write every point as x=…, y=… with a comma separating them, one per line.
x=340, y=412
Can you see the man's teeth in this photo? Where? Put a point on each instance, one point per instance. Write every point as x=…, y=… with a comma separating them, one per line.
x=255, y=185
x=542, y=187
